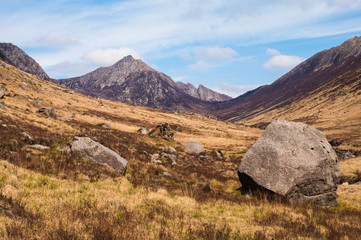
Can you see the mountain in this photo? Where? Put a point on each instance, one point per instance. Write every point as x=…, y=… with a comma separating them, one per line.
x=13, y=55
x=323, y=78
x=132, y=81
x=202, y=92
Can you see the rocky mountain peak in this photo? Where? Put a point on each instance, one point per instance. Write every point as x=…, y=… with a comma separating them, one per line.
x=13, y=55
x=202, y=92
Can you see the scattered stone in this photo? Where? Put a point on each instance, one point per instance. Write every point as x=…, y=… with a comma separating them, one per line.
x=157, y=162
x=154, y=157
x=170, y=149
x=171, y=157
x=4, y=125
x=2, y=92
x=294, y=161
x=27, y=136
x=357, y=183
x=348, y=154
x=219, y=155
x=143, y=130
x=48, y=111
x=194, y=147
x=37, y=147
x=164, y=131
x=96, y=152
x=204, y=158
x=167, y=174
x=105, y=125
x=65, y=150
x=345, y=183
x=69, y=118
x=176, y=128
x=2, y=107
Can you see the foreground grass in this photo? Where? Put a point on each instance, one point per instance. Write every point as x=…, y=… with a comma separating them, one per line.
x=35, y=206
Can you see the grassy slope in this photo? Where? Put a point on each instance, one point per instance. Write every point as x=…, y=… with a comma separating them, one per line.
x=49, y=195
x=335, y=111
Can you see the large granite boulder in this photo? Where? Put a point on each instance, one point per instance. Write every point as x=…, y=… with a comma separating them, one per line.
x=292, y=160
x=96, y=152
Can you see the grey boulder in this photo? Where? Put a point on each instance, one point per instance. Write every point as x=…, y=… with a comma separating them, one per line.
x=294, y=161
x=96, y=152
x=194, y=147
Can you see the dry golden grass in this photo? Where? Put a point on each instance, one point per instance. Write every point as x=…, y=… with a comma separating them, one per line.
x=47, y=195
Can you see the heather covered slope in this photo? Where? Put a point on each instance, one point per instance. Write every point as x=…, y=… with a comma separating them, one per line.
x=47, y=194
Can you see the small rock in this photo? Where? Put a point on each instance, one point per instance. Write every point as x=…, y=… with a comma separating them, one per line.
x=219, y=155
x=36, y=146
x=157, y=162
x=69, y=118
x=345, y=183
x=164, y=131
x=27, y=136
x=143, y=130
x=170, y=149
x=154, y=157
x=194, y=147
x=167, y=174
x=348, y=154
x=48, y=111
x=172, y=157
x=105, y=125
x=2, y=92
x=204, y=158
x=4, y=125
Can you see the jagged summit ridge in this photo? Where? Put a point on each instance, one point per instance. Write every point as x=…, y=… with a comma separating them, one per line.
x=13, y=55
x=202, y=92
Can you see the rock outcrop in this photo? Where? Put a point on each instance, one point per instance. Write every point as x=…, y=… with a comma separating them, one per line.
x=13, y=55
x=164, y=131
x=96, y=152
x=292, y=160
x=47, y=111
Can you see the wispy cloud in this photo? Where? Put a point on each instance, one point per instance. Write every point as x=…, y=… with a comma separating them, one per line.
x=55, y=39
x=160, y=25
x=234, y=90
x=200, y=65
x=109, y=56
x=281, y=61
x=214, y=53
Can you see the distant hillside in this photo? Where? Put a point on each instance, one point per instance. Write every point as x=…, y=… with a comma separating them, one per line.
x=330, y=70
x=13, y=55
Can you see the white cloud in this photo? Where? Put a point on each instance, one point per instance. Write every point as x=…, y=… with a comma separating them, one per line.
x=55, y=39
x=200, y=65
x=216, y=53
x=109, y=56
x=272, y=51
x=186, y=56
x=67, y=68
x=234, y=90
x=282, y=61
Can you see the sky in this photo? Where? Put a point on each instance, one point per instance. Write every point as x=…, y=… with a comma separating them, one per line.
x=231, y=46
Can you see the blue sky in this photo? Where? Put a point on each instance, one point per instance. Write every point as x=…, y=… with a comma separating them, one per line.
x=231, y=46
